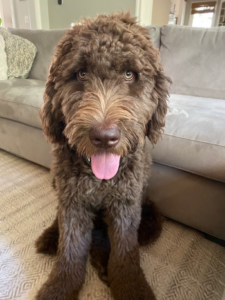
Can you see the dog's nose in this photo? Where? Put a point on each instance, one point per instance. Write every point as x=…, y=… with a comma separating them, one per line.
x=104, y=137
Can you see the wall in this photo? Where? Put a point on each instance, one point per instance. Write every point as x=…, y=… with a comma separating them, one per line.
x=188, y=11
x=144, y=11
x=6, y=13
x=179, y=10
x=181, y=14
x=42, y=14
x=160, y=12
x=32, y=14
x=19, y=14
x=21, y=11
x=71, y=11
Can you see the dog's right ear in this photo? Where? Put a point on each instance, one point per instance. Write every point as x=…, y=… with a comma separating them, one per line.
x=50, y=113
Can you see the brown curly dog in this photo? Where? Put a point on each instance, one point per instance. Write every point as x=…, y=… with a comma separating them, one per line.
x=105, y=93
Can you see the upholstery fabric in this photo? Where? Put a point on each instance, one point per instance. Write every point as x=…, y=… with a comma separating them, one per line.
x=194, y=138
x=154, y=32
x=3, y=60
x=194, y=59
x=25, y=141
x=45, y=41
x=20, y=54
x=190, y=199
x=21, y=99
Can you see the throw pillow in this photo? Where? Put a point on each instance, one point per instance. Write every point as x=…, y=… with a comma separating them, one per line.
x=20, y=54
x=3, y=60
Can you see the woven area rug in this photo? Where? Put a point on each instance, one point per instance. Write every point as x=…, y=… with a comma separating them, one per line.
x=181, y=265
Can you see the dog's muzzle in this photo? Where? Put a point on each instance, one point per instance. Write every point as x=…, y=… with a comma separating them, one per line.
x=105, y=164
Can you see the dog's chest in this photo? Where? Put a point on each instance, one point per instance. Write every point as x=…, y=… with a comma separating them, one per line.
x=88, y=191
x=101, y=193
x=75, y=182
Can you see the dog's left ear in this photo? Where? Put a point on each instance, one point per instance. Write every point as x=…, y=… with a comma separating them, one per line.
x=160, y=93
x=50, y=113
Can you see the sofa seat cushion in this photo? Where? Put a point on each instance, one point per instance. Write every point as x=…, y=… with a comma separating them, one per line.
x=194, y=138
x=21, y=99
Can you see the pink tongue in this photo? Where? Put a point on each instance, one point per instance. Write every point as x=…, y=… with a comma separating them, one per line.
x=105, y=165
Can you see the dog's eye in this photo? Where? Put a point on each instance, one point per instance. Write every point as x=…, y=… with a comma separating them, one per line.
x=128, y=75
x=82, y=75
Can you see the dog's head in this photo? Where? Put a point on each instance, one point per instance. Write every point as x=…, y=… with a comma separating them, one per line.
x=106, y=91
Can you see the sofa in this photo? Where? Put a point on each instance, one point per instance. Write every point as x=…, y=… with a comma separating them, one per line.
x=188, y=172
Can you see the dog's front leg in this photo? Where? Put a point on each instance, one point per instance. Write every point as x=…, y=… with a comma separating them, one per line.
x=126, y=278
x=67, y=275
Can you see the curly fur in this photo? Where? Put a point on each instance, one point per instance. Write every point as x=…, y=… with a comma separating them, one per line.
x=105, y=48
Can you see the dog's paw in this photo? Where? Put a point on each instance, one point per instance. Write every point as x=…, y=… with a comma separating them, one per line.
x=51, y=292
x=128, y=282
x=130, y=291
x=99, y=253
x=100, y=268
x=47, y=243
x=151, y=224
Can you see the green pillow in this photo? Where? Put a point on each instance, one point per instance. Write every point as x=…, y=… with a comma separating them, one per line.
x=20, y=54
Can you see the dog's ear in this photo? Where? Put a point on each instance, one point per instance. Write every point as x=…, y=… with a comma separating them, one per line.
x=159, y=97
x=51, y=113
x=51, y=116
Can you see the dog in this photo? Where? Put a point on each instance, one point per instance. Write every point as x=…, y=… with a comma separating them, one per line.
x=106, y=92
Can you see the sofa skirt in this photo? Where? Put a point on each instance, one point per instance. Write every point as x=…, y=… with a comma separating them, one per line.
x=189, y=198
x=25, y=141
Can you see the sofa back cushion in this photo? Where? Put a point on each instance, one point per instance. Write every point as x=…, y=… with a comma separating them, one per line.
x=45, y=42
x=154, y=32
x=194, y=58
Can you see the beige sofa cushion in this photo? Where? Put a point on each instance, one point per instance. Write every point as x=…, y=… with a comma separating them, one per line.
x=194, y=138
x=21, y=99
x=194, y=58
x=154, y=32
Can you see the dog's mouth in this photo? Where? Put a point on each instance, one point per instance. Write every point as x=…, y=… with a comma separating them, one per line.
x=104, y=165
